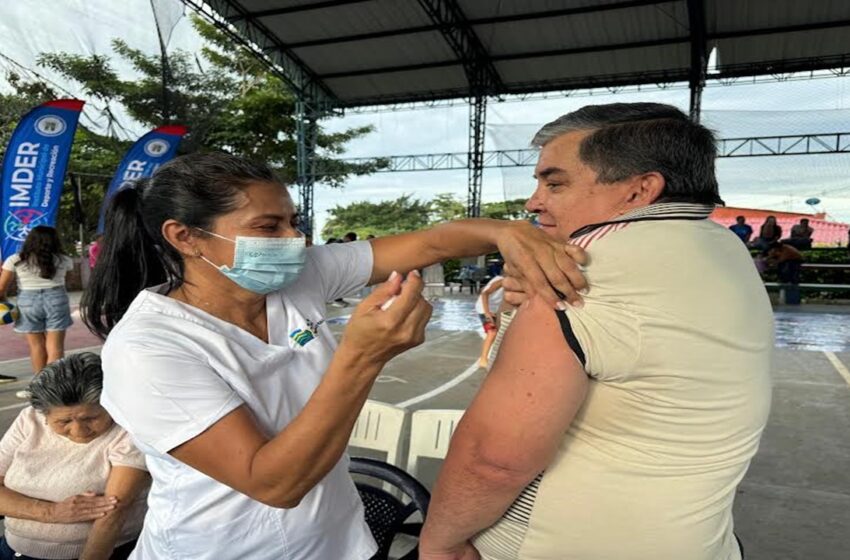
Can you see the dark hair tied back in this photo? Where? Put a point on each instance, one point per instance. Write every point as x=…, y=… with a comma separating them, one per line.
x=193, y=190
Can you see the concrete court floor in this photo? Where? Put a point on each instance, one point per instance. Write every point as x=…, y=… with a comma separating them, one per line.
x=794, y=503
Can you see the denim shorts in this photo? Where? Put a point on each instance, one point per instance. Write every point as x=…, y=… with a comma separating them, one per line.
x=43, y=310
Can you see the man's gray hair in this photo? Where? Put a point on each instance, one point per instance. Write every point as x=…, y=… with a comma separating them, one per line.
x=627, y=139
x=75, y=379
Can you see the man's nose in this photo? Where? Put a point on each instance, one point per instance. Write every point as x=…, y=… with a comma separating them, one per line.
x=534, y=204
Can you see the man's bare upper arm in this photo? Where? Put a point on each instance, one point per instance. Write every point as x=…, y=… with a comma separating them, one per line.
x=530, y=396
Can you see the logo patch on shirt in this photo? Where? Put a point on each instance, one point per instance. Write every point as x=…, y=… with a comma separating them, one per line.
x=303, y=336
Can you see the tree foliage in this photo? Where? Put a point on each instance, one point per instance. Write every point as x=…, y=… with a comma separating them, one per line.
x=506, y=210
x=228, y=99
x=410, y=214
x=446, y=207
x=387, y=217
x=225, y=96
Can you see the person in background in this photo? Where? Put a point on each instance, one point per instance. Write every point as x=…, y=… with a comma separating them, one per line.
x=44, y=311
x=94, y=250
x=487, y=306
x=742, y=229
x=788, y=261
x=770, y=232
x=801, y=235
x=349, y=237
x=72, y=485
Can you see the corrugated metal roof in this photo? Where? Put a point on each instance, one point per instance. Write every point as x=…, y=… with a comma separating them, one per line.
x=736, y=29
x=366, y=52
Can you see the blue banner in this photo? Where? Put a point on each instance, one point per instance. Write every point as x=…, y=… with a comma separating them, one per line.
x=34, y=170
x=146, y=156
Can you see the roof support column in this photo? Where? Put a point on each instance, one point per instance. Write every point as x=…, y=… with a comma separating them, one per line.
x=475, y=158
x=307, y=117
x=483, y=79
x=699, y=55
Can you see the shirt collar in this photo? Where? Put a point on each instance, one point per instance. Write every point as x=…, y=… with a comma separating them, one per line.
x=655, y=212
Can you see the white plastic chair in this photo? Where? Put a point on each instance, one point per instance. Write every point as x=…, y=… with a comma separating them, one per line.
x=379, y=428
x=430, y=434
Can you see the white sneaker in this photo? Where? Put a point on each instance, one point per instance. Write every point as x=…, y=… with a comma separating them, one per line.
x=23, y=395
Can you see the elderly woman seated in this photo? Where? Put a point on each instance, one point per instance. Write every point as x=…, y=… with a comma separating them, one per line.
x=72, y=485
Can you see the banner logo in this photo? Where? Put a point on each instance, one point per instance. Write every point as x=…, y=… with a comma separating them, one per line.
x=50, y=126
x=156, y=148
x=142, y=160
x=19, y=223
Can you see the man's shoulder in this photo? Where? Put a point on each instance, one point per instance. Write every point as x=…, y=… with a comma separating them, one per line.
x=645, y=236
x=639, y=247
x=595, y=236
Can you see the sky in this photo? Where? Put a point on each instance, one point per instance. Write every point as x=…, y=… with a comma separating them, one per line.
x=30, y=27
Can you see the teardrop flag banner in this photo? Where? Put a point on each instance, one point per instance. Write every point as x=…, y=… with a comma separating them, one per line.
x=146, y=156
x=34, y=170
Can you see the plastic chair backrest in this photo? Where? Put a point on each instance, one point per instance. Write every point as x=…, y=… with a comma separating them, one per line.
x=390, y=513
x=430, y=434
x=379, y=427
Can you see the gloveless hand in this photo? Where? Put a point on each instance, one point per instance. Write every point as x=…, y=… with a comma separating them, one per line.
x=87, y=506
x=538, y=264
x=377, y=334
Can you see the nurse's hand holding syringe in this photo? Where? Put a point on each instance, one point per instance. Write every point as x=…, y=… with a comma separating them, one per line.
x=391, y=320
x=279, y=471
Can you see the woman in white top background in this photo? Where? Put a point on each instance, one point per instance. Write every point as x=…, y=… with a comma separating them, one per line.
x=44, y=312
x=219, y=363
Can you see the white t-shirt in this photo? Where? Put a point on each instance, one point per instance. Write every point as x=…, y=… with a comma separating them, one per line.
x=29, y=277
x=172, y=370
x=495, y=298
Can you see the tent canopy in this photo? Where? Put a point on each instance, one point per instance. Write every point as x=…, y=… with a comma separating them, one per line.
x=349, y=53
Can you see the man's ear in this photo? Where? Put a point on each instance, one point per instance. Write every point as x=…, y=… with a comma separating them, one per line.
x=646, y=189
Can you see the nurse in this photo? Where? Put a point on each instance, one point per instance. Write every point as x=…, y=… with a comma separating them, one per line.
x=221, y=367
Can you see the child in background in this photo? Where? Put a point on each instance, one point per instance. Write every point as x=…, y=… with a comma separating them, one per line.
x=487, y=308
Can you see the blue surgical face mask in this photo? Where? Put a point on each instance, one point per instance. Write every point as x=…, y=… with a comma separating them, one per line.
x=264, y=264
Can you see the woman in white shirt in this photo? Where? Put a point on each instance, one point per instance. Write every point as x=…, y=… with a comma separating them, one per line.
x=220, y=365
x=44, y=311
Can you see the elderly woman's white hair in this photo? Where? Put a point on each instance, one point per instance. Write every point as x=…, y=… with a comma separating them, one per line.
x=73, y=380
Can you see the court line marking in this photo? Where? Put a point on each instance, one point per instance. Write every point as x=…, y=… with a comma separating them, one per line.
x=442, y=388
x=839, y=367
x=464, y=375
